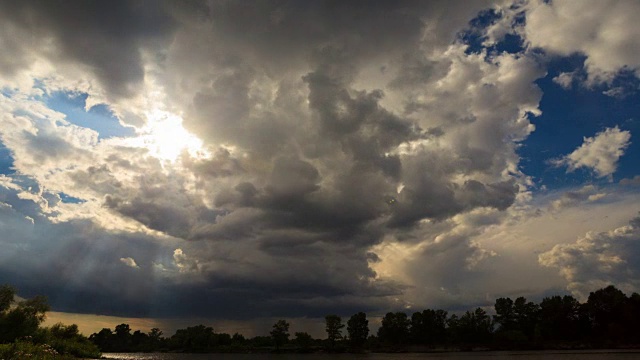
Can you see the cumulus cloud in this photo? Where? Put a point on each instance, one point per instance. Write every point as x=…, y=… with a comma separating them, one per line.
x=598, y=259
x=599, y=153
x=574, y=198
x=634, y=181
x=604, y=32
x=317, y=146
x=353, y=157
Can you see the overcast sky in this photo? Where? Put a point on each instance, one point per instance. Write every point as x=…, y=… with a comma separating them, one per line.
x=234, y=162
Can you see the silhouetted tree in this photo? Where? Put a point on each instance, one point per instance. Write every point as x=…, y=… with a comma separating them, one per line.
x=559, y=318
x=261, y=341
x=510, y=317
x=140, y=341
x=505, y=315
x=527, y=314
x=122, y=338
x=608, y=318
x=472, y=328
x=606, y=310
x=198, y=338
x=394, y=330
x=303, y=340
x=280, y=333
x=333, y=326
x=632, y=319
x=154, y=339
x=358, y=330
x=104, y=339
x=429, y=327
x=238, y=340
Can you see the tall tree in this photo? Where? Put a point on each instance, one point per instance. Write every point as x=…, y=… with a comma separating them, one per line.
x=280, y=333
x=7, y=296
x=559, y=318
x=526, y=314
x=155, y=338
x=606, y=310
x=505, y=314
x=394, y=329
x=122, y=337
x=333, y=326
x=429, y=327
x=104, y=339
x=358, y=329
x=473, y=327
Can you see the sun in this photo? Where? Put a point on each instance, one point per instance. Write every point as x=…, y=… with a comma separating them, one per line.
x=166, y=138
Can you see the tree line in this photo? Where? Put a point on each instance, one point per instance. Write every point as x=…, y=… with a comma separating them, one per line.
x=609, y=318
x=21, y=335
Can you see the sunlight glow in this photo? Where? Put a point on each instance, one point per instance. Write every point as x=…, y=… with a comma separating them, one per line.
x=165, y=137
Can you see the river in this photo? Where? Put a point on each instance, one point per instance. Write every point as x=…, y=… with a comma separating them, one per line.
x=489, y=355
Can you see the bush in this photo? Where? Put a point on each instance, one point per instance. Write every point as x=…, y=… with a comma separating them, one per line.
x=27, y=350
x=66, y=339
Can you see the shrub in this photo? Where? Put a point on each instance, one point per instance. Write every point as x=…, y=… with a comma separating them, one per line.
x=24, y=349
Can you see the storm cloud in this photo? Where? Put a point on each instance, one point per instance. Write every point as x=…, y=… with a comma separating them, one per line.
x=350, y=156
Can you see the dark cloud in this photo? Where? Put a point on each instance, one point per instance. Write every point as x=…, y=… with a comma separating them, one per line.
x=309, y=166
x=106, y=37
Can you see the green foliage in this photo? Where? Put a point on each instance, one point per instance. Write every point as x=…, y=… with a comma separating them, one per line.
x=66, y=339
x=20, y=319
x=19, y=330
x=28, y=350
x=7, y=294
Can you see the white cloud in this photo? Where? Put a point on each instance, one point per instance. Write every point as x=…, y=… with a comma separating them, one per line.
x=616, y=92
x=565, y=79
x=577, y=197
x=183, y=262
x=130, y=262
x=599, y=153
x=606, y=32
x=598, y=260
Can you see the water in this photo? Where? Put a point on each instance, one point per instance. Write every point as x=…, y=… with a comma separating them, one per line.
x=490, y=355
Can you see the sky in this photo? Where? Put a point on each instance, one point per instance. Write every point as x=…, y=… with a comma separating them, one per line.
x=230, y=163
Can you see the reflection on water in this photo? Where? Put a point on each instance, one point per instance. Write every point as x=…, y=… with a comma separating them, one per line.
x=497, y=355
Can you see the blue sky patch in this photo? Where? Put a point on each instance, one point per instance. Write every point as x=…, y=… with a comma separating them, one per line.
x=569, y=115
x=70, y=199
x=98, y=118
x=6, y=160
